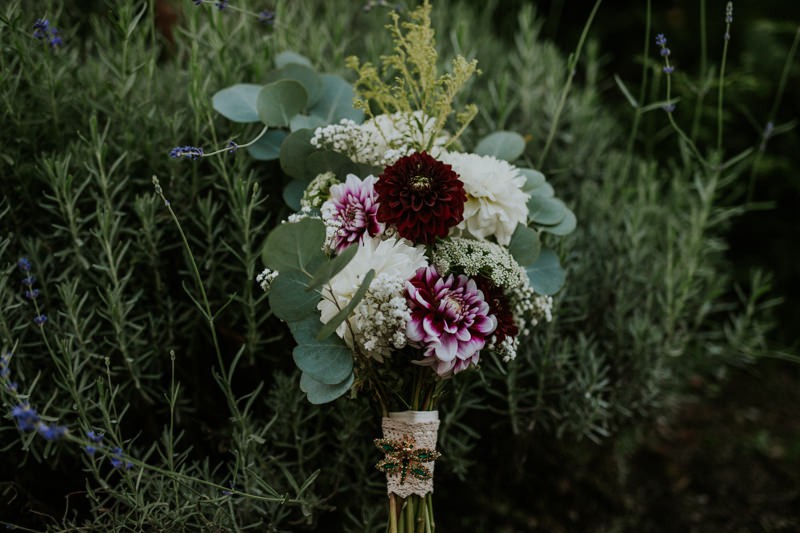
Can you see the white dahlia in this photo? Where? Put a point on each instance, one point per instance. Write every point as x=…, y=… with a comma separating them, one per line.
x=392, y=259
x=495, y=200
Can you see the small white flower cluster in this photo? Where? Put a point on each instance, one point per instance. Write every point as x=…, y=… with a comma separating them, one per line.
x=530, y=308
x=333, y=226
x=507, y=349
x=479, y=257
x=382, y=140
x=317, y=191
x=352, y=140
x=305, y=212
x=380, y=319
x=265, y=278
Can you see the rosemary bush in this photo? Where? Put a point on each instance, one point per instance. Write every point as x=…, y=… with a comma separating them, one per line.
x=158, y=337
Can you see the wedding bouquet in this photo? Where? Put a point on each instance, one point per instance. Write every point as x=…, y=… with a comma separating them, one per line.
x=409, y=259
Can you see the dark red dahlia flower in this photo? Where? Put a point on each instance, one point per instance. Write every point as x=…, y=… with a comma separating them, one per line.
x=499, y=307
x=422, y=197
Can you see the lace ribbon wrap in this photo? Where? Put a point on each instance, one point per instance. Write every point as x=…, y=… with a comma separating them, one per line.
x=422, y=427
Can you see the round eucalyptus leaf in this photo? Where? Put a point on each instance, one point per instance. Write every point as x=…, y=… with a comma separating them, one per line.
x=294, y=152
x=545, y=190
x=303, y=75
x=307, y=122
x=336, y=101
x=295, y=246
x=329, y=361
x=525, y=245
x=546, y=211
x=319, y=393
x=329, y=161
x=238, y=102
x=288, y=58
x=289, y=299
x=546, y=275
x=268, y=147
x=507, y=145
x=293, y=193
x=533, y=179
x=565, y=227
x=279, y=101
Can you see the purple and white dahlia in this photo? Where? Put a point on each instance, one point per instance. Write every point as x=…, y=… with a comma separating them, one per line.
x=351, y=212
x=450, y=320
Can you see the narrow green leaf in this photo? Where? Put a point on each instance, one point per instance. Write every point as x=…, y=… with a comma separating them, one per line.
x=343, y=313
x=238, y=102
x=278, y=102
x=507, y=145
x=525, y=245
x=626, y=92
x=319, y=393
x=329, y=269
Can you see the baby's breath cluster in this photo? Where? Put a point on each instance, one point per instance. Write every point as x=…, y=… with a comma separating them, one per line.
x=382, y=316
x=470, y=257
x=265, y=278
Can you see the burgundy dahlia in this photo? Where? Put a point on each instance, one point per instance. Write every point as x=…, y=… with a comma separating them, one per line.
x=500, y=308
x=450, y=320
x=422, y=197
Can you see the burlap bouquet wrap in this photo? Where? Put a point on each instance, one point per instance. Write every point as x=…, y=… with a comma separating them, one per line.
x=423, y=427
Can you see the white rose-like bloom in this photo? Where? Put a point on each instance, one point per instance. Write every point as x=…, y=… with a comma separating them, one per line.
x=495, y=200
x=390, y=258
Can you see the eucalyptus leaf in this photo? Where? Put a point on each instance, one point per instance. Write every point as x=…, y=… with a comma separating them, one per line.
x=308, y=122
x=546, y=275
x=329, y=361
x=343, y=313
x=303, y=75
x=329, y=269
x=507, y=145
x=319, y=393
x=294, y=151
x=336, y=101
x=565, y=227
x=278, y=102
x=293, y=193
x=288, y=57
x=268, y=147
x=238, y=102
x=329, y=161
x=533, y=179
x=546, y=211
x=545, y=190
x=295, y=246
x=525, y=245
x=288, y=298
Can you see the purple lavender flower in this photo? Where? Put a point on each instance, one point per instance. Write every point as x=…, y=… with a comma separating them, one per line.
x=24, y=264
x=51, y=432
x=26, y=417
x=222, y=5
x=267, y=17
x=29, y=280
x=232, y=147
x=352, y=211
x=32, y=294
x=190, y=152
x=40, y=319
x=450, y=320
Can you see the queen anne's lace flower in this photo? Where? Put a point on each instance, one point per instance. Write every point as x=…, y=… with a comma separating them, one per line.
x=471, y=257
x=450, y=320
x=391, y=259
x=495, y=200
x=351, y=212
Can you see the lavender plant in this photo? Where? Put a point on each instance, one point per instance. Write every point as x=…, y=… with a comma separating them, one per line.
x=158, y=338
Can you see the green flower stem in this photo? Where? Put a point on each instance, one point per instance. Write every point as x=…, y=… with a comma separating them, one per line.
x=721, y=88
x=257, y=137
x=642, y=90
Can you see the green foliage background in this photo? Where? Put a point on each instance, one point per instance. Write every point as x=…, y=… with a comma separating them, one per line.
x=649, y=299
